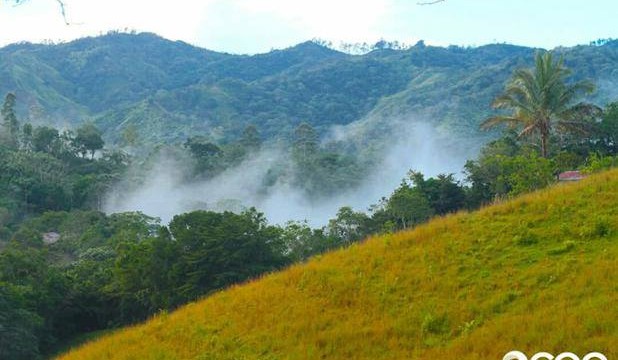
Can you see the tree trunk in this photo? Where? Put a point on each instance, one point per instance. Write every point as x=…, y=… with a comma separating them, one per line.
x=545, y=132
x=544, y=145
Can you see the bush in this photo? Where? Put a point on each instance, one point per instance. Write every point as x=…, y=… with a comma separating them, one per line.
x=526, y=239
x=435, y=324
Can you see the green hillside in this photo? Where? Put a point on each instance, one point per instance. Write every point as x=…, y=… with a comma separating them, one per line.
x=537, y=273
x=171, y=89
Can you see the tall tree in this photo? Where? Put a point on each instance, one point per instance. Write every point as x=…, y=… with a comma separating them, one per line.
x=608, y=130
x=9, y=120
x=208, y=156
x=88, y=139
x=250, y=139
x=348, y=226
x=443, y=192
x=45, y=139
x=306, y=141
x=541, y=100
x=219, y=249
x=408, y=206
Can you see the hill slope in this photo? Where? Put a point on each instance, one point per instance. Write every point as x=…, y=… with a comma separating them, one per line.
x=170, y=90
x=536, y=274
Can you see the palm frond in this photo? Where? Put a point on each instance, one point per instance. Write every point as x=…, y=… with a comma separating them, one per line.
x=540, y=100
x=574, y=90
x=527, y=131
x=493, y=121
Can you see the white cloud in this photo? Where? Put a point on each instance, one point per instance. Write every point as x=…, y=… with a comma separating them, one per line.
x=257, y=26
x=244, y=26
x=250, y=26
x=38, y=20
x=344, y=19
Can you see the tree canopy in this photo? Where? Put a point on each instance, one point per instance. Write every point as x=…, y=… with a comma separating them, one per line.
x=542, y=101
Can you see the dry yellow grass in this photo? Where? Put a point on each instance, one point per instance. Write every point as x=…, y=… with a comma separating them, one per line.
x=535, y=274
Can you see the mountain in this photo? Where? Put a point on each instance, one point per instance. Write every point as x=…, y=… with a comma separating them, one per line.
x=170, y=90
x=534, y=274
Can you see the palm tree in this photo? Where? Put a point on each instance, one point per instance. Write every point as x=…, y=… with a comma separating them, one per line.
x=541, y=100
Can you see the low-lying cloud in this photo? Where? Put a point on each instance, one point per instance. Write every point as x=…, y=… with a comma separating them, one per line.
x=165, y=193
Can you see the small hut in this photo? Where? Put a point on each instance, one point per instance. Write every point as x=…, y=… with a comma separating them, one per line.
x=573, y=175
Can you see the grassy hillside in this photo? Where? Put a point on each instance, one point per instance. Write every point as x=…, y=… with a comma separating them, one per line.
x=535, y=274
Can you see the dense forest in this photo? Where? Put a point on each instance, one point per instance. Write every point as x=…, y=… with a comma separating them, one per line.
x=172, y=90
x=67, y=269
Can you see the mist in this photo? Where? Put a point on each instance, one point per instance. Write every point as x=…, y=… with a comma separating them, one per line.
x=415, y=145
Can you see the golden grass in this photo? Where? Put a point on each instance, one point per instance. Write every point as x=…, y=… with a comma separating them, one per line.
x=538, y=273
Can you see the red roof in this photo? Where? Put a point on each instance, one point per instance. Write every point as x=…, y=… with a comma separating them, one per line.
x=571, y=176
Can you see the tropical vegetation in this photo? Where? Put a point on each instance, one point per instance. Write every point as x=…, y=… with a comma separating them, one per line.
x=542, y=102
x=67, y=269
x=172, y=90
x=534, y=273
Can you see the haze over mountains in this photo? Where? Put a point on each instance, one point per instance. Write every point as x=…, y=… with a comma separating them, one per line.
x=172, y=90
x=217, y=169
x=416, y=108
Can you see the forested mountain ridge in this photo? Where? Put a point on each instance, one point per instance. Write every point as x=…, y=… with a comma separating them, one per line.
x=170, y=90
x=95, y=236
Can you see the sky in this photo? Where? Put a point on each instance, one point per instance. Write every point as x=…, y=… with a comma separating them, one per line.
x=256, y=26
